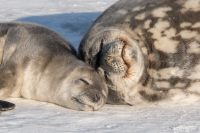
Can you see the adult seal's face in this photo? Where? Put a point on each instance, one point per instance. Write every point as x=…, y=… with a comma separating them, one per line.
x=119, y=60
x=85, y=89
x=122, y=63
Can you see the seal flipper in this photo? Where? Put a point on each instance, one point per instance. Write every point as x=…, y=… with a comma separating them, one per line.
x=5, y=106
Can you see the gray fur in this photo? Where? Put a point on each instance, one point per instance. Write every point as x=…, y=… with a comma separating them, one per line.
x=148, y=51
x=39, y=64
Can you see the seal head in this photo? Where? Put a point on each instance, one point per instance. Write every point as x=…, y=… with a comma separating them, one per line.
x=86, y=90
x=118, y=59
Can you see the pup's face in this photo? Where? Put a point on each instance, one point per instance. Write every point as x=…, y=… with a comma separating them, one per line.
x=86, y=90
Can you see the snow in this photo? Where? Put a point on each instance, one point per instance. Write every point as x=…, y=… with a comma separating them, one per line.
x=71, y=18
x=32, y=116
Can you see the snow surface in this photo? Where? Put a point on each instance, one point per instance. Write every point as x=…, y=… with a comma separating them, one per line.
x=71, y=18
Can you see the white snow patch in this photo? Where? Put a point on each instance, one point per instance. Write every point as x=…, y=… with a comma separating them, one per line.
x=34, y=116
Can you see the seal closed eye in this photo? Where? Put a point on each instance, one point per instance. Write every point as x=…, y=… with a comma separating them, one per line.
x=84, y=81
x=37, y=63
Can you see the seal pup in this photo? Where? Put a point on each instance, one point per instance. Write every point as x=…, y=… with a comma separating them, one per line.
x=37, y=63
x=148, y=51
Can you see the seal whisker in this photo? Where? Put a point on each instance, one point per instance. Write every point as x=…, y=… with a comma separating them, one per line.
x=127, y=77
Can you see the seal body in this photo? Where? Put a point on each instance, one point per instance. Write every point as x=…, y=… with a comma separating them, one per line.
x=148, y=51
x=37, y=63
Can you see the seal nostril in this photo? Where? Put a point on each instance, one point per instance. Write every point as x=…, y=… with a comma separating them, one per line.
x=96, y=98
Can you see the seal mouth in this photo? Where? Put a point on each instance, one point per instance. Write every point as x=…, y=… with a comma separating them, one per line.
x=77, y=100
x=89, y=101
x=127, y=61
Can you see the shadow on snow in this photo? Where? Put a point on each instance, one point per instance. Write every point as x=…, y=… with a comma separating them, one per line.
x=70, y=25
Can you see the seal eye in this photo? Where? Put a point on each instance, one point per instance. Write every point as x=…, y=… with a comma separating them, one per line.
x=84, y=81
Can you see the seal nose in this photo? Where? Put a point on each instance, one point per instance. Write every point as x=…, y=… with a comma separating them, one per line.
x=111, y=59
x=92, y=98
x=95, y=98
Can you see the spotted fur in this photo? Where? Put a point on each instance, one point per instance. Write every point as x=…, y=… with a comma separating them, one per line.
x=161, y=50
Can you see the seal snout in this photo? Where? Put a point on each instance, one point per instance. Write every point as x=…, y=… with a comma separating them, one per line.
x=92, y=100
x=122, y=66
x=123, y=58
x=112, y=57
x=96, y=98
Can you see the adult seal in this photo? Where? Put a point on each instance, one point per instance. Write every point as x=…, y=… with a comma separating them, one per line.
x=37, y=63
x=148, y=51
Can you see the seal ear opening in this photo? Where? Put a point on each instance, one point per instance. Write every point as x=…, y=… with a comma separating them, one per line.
x=5, y=106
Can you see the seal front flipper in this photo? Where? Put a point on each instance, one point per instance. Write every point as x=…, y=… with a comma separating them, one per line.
x=5, y=106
